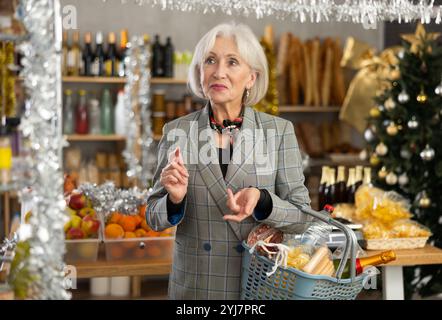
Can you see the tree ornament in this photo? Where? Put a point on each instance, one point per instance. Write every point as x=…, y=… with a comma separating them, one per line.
x=438, y=89
x=391, y=178
x=381, y=149
x=413, y=123
x=428, y=153
x=422, y=97
x=369, y=135
x=424, y=201
x=416, y=39
x=363, y=155
x=392, y=129
x=389, y=104
x=374, y=160
x=395, y=74
x=403, y=97
x=405, y=154
x=403, y=179
x=382, y=173
x=401, y=54
x=375, y=112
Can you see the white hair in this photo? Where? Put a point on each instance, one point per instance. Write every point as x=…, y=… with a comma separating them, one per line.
x=249, y=49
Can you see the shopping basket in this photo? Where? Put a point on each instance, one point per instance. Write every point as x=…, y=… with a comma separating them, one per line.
x=293, y=284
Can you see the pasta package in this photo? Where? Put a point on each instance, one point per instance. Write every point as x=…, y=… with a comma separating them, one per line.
x=385, y=207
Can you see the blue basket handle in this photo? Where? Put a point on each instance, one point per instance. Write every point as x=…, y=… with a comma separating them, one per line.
x=350, y=240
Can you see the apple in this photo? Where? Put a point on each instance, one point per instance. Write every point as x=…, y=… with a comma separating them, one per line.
x=67, y=226
x=75, y=233
x=77, y=201
x=89, y=225
x=70, y=211
x=86, y=212
x=75, y=221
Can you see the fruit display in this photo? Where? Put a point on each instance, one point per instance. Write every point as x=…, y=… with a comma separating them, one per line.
x=128, y=236
x=123, y=226
x=83, y=220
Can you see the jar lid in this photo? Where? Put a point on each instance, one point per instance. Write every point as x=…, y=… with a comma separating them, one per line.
x=159, y=92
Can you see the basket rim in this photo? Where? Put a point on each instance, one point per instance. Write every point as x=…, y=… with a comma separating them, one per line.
x=358, y=278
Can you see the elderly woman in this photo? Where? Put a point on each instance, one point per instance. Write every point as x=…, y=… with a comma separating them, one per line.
x=224, y=169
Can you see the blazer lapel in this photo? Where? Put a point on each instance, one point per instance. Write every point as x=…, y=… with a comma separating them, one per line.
x=243, y=148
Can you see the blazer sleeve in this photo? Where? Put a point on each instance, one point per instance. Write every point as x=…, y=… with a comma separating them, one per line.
x=157, y=216
x=290, y=190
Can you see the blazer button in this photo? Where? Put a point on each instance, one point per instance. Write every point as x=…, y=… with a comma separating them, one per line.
x=207, y=247
x=240, y=248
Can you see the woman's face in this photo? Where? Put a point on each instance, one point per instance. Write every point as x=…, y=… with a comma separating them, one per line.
x=224, y=74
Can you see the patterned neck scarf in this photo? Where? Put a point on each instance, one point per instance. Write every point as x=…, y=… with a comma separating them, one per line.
x=228, y=126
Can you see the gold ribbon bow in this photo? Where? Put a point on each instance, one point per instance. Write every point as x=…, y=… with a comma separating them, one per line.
x=371, y=78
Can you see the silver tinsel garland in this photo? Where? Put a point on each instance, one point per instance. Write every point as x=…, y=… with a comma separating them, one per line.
x=357, y=11
x=106, y=198
x=41, y=124
x=139, y=153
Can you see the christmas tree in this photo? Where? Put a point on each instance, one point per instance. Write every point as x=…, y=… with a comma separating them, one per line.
x=405, y=142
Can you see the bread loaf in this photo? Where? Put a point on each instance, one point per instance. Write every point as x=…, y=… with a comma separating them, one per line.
x=315, y=69
x=338, y=85
x=282, y=67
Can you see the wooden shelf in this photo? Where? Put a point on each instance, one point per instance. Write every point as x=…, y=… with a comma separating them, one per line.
x=95, y=137
x=290, y=109
x=102, y=268
x=118, y=80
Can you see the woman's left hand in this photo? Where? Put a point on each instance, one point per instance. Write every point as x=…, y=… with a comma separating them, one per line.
x=241, y=203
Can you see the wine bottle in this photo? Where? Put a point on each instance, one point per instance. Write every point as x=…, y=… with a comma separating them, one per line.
x=74, y=56
x=367, y=176
x=82, y=116
x=111, y=63
x=64, y=55
x=94, y=116
x=68, y=113
x=330, y=189
x=98, y=64
x=371, y=261
x=157, y=58
x=123, y=52
x=106, y=113
x=322, y=185
x=341, y=190
x=358, y=176
x=120, y=114
x=350, y=183
x=168, y=58
x=88, y=55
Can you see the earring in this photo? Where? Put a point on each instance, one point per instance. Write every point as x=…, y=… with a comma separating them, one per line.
x=247, y=93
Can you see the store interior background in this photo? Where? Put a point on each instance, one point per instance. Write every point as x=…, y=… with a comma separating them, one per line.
x=186, y=29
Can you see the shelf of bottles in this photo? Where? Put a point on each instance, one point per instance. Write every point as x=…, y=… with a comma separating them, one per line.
x=337, y=186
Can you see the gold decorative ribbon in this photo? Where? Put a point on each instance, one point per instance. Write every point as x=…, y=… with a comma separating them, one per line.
x=374, y=73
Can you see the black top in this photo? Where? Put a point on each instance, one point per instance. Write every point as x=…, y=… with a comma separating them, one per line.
x=263, y=208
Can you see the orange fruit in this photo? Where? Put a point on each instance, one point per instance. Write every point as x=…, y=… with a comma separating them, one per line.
x=141, y=233
x=145, y=226
x=114, y=231
x=142, y=212
x=115, y=217
x=138, y=220
x=128, y=223
x=129, y=235
x=152, y=233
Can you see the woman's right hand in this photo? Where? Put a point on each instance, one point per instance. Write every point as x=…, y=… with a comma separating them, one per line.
x=174, y=177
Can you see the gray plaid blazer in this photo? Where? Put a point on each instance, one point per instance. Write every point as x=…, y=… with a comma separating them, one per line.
x=208, y=252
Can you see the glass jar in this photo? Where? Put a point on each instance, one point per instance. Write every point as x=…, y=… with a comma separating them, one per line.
x=5, y=157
